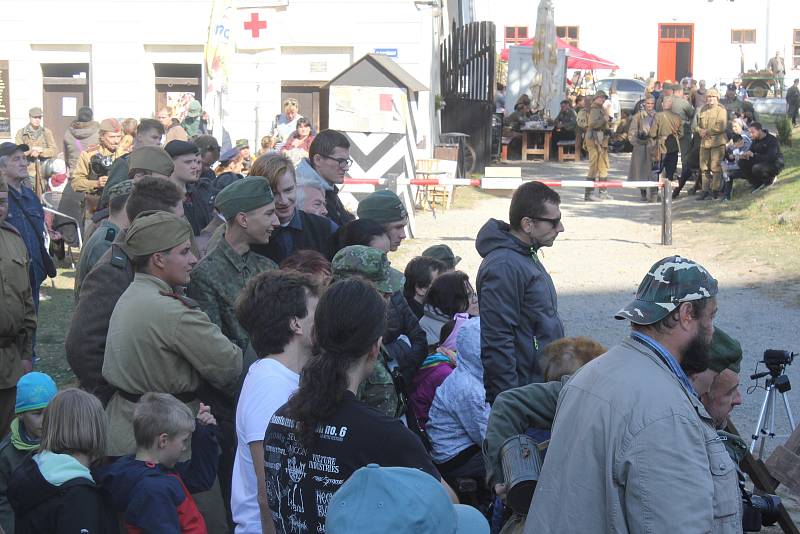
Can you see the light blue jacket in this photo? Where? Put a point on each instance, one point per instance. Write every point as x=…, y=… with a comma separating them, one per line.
x=459, y=413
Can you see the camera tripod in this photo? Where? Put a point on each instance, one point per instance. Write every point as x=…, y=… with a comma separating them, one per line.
x=777, y=384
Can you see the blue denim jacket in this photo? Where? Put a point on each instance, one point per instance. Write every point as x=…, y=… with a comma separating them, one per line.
x=21, y=203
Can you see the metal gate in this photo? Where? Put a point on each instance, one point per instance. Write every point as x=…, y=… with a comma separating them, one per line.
x=467, y=70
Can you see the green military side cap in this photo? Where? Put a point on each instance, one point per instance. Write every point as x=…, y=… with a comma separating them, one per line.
x=669, y=282
x=369, y=263
x=153, y=159
x=120, y=189
x=724, y=352
x=244, y=195
x=382, y=207
x=154, y=231
x=444, y=254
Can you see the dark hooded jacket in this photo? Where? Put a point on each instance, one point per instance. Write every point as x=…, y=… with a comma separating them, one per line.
x=78, y=137
x=519, y=309
x=77, y=505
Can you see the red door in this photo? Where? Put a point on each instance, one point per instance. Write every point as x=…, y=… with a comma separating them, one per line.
x=671, y=64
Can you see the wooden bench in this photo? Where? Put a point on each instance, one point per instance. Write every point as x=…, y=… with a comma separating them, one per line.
x=566, y=150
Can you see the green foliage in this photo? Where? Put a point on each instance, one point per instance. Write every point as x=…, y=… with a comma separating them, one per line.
x=784, y=128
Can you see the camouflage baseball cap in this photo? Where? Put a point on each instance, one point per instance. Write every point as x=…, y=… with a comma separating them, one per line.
x=669, y=282
x=369, y=263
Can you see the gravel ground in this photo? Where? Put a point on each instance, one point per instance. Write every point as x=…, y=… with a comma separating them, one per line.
x=606, y=249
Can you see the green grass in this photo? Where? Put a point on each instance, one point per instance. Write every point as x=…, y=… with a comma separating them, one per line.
x=55, y=313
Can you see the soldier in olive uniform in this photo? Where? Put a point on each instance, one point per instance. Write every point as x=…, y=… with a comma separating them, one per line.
x=709, y=124
x=41, y=143
x=596, y=143
x=91, y=172
x=684, y=109
x=380, y=390
x=17, y=314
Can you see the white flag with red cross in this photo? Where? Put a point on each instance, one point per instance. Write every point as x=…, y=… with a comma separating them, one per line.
x=257, y=28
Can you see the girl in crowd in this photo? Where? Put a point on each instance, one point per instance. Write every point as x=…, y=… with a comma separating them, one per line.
x=324, y=434
x=53, y=491
x=449, y=295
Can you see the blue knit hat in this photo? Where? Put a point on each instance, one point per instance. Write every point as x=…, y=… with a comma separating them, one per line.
x=34, y=392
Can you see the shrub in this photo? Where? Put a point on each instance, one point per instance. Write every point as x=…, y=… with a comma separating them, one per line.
x=784, y=128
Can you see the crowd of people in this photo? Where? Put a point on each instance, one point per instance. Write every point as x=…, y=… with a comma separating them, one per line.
x=248, y=360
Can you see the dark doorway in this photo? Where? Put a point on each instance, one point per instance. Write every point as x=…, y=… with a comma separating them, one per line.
x=65, y=88
x=174, y=82
x=307, y=96
x=683, y=60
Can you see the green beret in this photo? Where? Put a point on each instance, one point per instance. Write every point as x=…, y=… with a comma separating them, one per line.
x=121, y=189
x=724, y=352
x=444, y=254
x=153, y=159
x=368, y=263
x=154, y=231
x=382, y=207
x=243, y=195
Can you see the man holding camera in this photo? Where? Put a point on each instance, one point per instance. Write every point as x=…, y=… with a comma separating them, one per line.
x=633, y=448
x=91, y=172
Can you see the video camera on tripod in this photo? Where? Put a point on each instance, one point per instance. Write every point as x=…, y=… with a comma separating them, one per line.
x=777, y=383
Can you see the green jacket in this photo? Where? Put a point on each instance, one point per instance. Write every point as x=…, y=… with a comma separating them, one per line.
x=216, y=282
x=380, y=390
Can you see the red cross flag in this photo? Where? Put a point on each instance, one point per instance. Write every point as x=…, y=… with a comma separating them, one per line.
x=257, y=29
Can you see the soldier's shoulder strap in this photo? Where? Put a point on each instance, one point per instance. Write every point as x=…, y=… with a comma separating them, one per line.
x=10, y=228
x=186, y=301
x=119, y=259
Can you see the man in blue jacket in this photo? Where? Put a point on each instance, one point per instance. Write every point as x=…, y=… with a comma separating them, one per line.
x=519, y=308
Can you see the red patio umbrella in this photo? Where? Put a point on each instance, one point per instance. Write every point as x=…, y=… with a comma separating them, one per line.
x=577, y=58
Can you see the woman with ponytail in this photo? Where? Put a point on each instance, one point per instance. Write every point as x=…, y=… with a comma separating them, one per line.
x=324, y=434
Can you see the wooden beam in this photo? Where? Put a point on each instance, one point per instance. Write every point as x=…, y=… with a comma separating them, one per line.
x=63, y=80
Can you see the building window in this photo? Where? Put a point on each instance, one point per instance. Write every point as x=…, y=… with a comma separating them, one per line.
x=796, y=48
x=743, y=36
x=515, y=35
x=568, y=34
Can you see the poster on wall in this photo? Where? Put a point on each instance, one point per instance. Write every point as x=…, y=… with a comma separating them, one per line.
x=178, y=102
x=368, y=109
x=5, y=111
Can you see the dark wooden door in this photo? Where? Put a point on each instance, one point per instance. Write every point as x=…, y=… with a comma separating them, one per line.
x=307, y=96
x=64, y=91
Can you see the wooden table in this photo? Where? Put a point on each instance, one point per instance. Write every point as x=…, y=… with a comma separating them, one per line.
x=529, y=139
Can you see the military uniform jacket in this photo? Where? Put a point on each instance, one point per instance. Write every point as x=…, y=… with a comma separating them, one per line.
x=17, y=314
x=666, y=130
x=597, y=125
x=216, y=282
x=162, y=342
x=41, y=139
x=714, y=119
x=83, y=180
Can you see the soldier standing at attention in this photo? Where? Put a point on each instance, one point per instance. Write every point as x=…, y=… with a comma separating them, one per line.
x=94, y=164
x=710, y=124
x=778, y=69
x=41, y=142
x=596, y=143
x=17, y=315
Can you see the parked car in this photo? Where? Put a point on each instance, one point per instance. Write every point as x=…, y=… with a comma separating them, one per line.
x=629, y=90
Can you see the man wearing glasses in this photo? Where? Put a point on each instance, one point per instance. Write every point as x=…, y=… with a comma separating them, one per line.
x=519, y=309
x=326, y=166
x=40, y=140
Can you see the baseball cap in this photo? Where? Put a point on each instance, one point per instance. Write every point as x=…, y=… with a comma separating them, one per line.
x=399, y=500
x=369, y=263
x=670, y=282
x=444, y=254
x=34, y=391
x=7, y=148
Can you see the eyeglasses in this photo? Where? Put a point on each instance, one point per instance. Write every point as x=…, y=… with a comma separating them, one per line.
x=344, y=163
x=554, y=222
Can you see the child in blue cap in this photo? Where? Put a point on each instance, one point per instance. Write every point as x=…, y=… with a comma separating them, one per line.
x=34, y=392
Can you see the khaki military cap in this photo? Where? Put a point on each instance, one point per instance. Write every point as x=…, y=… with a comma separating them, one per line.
x=154, y=231
x=153, y=159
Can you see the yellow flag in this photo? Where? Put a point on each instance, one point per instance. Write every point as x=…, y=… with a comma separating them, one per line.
x=220, y=45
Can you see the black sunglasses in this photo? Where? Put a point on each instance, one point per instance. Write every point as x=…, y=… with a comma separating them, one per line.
x=554, y=222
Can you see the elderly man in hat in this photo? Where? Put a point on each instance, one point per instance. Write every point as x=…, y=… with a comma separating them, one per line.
x=381, y=390
x=630, y=424
x=25, y=213
x=710, y=123
x=148, y=134
x=19, y=315
x=105, y=234
x=40, y=140
x=386, y=208
x=596, y=144
x=104, y=284
x=93, y=168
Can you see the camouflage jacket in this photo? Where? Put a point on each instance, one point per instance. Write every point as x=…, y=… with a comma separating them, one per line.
x=217, y=281
x=380, y=390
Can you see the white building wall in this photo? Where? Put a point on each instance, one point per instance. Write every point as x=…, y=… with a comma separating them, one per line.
x=626, y=31
x=122, y=39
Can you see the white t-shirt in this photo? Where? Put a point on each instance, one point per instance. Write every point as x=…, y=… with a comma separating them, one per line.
x=267, y=387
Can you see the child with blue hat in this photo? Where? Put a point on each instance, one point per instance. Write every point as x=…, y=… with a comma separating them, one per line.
x=34, y=392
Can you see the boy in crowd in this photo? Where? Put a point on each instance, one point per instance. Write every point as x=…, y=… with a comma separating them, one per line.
x=34, y=392
x=152, y=489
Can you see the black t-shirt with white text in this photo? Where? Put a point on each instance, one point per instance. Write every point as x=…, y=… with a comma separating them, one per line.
x=300, y=483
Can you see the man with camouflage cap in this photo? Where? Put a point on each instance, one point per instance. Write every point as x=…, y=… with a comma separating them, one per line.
x=633, y=449
x=105, y=234
x=385, y=208
x=383, y=390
